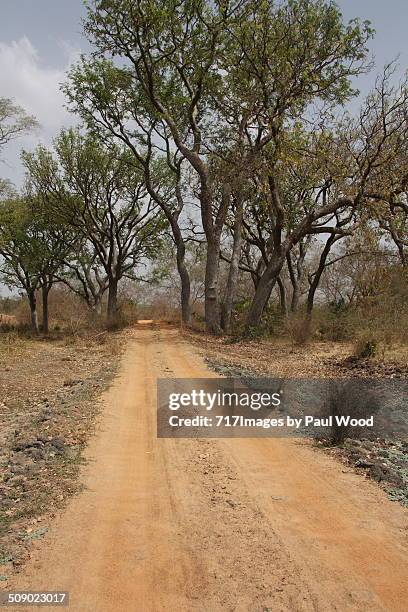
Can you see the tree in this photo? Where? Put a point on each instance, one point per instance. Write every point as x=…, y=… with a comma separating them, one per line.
x=99, y=192
x=19, y=248
x=296, y=268
x=172, y=51
x=280, y=73
x=223, y=77
x=315, y=277
x=233, y=272
x=112, y=106
x=394, y=221
x=14, y=121
x=354, y=159
x=33, y=249
x=84, y=275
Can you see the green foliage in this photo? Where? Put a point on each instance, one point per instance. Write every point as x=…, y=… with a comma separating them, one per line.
x=204, y=68
x=14, y=121
x=287, y=54
x=99, y=192
x=366, y=348
x=187, y=98
x=31, y=244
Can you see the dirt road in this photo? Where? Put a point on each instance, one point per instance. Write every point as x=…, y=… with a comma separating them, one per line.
x=203, y=525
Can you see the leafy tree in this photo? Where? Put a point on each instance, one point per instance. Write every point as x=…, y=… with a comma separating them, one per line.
x=114, y=108
x=14, y=121
x=353, y=160
x=33, y=250
x=85, y=276
x=99, y=192
x=226, y=79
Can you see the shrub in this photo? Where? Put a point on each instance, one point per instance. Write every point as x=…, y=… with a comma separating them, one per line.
x=299, y=328
x=365, y=348
x=348, y=398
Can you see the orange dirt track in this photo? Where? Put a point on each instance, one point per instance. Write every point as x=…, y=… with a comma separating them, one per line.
x=214, y=525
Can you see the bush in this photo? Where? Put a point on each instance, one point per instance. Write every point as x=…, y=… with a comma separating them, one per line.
x=333, y=322
x=299, y=328
x=348, y=397
x=365, y=348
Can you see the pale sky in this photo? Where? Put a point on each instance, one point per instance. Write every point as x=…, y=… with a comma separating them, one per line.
x=40, y=38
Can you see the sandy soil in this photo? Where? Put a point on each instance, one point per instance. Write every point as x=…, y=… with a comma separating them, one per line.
x=211, y=525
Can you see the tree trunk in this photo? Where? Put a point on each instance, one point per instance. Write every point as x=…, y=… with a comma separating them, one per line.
x=112, y=312
x=312, y=292
x=226, y=310
x=318, y=275
x=97, y=305
x=211, y=301
x=310, y=302
x=173, y=219
x=295, y=298
x=45, y=318
x=263, y=291
x=296, y=277
x=212, y=231
x=282, y=297
x=184, y=275
x=295, y=286
x=33, y=310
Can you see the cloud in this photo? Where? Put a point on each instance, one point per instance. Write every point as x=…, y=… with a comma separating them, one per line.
x=71, y=53
x=35, y=87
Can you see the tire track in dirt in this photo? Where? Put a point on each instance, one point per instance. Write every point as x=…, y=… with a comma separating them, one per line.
x=210, y=525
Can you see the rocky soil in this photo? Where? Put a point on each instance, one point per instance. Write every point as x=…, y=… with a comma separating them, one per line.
x=383, y=460
x=48, y=405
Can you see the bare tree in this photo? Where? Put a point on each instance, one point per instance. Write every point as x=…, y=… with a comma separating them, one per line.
x=367, y=148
